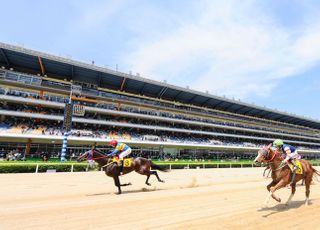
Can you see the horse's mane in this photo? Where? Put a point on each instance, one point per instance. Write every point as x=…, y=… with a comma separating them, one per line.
x=98, y=152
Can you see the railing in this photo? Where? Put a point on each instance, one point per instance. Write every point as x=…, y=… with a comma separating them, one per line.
x=195, y=165
x=83, y=167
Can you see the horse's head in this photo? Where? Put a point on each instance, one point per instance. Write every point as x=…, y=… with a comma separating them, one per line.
x=94, y=155
x=85, y=156
x=265, y=154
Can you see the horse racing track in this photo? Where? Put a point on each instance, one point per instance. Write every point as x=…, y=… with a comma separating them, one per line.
x=190, y=199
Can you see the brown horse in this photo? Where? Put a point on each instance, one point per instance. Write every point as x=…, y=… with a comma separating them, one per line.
x=268, y=174
x=140, y=165
x=281, y=174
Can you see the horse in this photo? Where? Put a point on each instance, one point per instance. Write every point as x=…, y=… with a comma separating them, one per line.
x=281, y=174
x=268, y=174
x=140, y=165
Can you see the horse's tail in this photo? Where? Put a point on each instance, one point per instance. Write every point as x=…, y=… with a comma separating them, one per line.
x=158, y=167
x=317, y=173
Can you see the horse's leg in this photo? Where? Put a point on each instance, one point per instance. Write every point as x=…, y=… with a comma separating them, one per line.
x=264, y=171
x=307, y=182
x=117, y=183
x=147, y=181
x=269, y=173
x=144, y=171
x=293, y=190
x=153, y=173
x=268, y=188
x=126, y=184
x=279, y=185
x=156, y=174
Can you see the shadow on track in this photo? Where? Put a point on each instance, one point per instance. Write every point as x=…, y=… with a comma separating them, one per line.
x=282, y=208
x=127, y=192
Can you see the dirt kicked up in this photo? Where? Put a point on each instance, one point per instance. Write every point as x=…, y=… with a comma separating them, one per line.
x=190, y=199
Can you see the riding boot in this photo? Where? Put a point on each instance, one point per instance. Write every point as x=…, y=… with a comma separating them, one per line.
x=294, y=171
x=121, y=167
x=293, y=177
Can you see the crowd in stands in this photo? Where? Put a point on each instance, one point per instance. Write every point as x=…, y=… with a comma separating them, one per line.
x=12, y=155
x=269, y=126
x=17, y=125
x=29, y=127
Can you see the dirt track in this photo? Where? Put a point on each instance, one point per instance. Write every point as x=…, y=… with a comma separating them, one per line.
x=190, y=199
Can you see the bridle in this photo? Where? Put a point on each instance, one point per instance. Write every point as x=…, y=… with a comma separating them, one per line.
x=90, y=156
x=276, y=153
x=273, y=157
x=266, y=154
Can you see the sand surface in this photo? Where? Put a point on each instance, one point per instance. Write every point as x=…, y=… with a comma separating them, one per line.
x=189, y=199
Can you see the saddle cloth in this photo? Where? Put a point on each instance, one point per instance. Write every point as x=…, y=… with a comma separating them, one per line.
x=126, y=161
x=299, y=170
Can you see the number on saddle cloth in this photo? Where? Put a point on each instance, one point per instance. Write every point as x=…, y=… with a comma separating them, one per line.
x=127, y=162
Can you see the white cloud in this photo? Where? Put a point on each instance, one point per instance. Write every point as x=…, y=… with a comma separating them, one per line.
x=92, y=17
x=230, y=48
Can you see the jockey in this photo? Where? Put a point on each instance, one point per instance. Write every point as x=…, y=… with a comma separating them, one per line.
x=120, y=149
x=291, y=154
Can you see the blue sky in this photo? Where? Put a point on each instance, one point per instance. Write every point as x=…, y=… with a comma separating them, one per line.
x=262, y=52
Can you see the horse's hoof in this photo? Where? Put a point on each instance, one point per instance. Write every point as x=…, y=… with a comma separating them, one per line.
x=129, y=183
x=162, y=181
x=148, y=184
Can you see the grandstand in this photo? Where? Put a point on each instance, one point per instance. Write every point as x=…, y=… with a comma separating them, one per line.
x=158, y=119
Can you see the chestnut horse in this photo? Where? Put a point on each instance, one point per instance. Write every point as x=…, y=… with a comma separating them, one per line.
x=140, y=165
x=281, y=174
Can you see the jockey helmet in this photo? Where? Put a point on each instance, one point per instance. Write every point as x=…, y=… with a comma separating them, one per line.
x=113, y=143
x=278, y=142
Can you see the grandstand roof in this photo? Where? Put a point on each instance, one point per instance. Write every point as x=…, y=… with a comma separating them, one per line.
x=35, y=62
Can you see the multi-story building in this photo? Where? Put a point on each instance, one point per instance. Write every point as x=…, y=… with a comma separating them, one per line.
x=156, y=118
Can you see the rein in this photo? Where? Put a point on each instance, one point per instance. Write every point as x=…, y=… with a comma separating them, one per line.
x=107, y=164
x=97, y=158
x=277, y=169
x=102, y=157
x=281, y=165
x=272, y=158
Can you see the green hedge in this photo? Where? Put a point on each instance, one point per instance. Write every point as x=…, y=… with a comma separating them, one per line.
x=23, y=167
x=43, y=167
